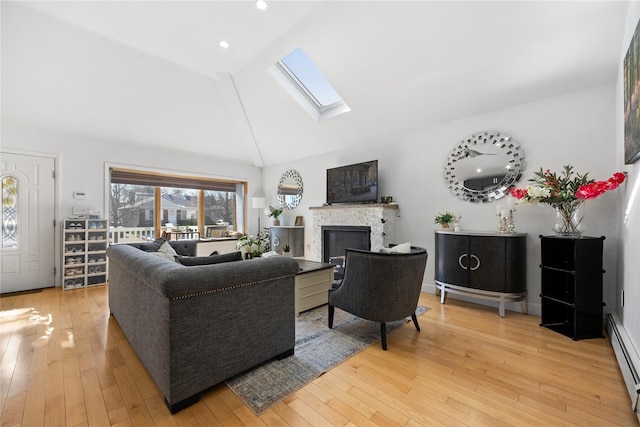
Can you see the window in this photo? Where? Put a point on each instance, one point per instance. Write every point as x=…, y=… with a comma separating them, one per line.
x=299, y=76
x=130, y=205
x=219, y=207
x=190, y=202
x=9, y=212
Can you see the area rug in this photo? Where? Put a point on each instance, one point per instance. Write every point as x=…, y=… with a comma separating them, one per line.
x=317, y=350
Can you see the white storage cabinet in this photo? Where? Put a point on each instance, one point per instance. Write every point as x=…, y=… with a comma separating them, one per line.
x=84, y=253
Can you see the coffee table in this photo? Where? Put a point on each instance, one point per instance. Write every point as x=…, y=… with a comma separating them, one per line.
x=313, y=281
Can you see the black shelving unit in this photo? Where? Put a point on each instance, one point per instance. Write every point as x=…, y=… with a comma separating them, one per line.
x=571, y=288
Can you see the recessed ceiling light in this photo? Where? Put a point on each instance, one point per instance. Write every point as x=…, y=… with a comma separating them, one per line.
x=224, y=44
x=261, y=4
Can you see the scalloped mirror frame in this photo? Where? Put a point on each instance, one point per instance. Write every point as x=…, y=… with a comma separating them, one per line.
x=473, y=146
x=290, y=189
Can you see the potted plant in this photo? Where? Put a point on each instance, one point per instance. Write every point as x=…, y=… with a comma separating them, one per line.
x=275, y=213
x=445, y=219
x=286, y=251
x=253, y=247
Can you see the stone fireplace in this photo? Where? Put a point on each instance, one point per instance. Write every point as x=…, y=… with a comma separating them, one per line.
x=380, y=219
x=336, y=239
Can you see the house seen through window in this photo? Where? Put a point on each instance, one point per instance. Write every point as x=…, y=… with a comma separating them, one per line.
x=143, y=207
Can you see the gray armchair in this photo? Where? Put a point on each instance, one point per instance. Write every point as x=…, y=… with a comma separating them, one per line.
x=381, y=287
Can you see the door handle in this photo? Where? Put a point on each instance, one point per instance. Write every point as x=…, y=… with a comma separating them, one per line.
x=460, y=261
x=477, y=261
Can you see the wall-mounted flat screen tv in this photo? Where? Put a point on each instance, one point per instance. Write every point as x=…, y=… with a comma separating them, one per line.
x=357, y=183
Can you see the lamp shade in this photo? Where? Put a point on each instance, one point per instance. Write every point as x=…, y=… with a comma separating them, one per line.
x=258, y=202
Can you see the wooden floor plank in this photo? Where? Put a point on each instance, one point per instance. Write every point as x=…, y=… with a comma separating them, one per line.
x=114, y=403
x=326, y=414
x=97, y=413
x=222, y=412
x=75, y=411
x=65, y=361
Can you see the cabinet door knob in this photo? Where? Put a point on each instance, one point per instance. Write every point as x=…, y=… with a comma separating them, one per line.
x=464, y=267
x=478, y=262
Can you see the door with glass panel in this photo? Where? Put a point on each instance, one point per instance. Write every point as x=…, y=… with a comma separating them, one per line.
x=27, y=250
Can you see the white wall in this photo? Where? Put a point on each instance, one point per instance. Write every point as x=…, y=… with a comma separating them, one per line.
x=628, y=270
x=577, y=128
x=82, y=163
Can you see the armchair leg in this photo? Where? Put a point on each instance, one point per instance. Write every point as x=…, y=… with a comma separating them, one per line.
x=331, y=310
x=415, y=321
x=383, y=334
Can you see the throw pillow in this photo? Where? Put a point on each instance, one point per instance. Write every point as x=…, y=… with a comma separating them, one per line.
x=153, y=246
x=402, y=248
x=213, y=259
x=162, y=255
x=167, y=251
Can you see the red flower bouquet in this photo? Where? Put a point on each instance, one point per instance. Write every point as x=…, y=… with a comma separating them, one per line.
x=566, y=192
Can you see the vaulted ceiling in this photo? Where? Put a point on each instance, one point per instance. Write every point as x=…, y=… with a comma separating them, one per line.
x=152, y=72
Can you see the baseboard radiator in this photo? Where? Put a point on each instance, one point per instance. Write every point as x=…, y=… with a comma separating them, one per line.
x=627, y=359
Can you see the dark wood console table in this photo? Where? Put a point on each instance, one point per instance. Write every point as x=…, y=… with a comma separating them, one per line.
x=482, y=265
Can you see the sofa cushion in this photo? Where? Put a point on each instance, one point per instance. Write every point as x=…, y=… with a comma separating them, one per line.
x=212, y=259
x=185, y=247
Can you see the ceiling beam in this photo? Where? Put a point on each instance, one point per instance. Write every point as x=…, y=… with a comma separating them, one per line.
x=232, y=101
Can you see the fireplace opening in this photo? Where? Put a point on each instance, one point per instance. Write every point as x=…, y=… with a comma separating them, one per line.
x=337, y=238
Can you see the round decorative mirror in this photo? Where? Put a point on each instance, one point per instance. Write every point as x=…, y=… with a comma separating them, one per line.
x=290, y=189
x=483, y=166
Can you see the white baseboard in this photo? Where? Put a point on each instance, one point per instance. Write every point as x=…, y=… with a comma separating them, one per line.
x=628, y=359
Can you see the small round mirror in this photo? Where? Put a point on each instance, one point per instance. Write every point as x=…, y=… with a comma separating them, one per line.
x=484, y=166
x=290, y=189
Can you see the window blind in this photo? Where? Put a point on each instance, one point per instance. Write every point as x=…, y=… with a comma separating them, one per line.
x=126, y=176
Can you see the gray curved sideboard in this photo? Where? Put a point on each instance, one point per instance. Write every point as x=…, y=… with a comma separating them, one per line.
x=483, y=265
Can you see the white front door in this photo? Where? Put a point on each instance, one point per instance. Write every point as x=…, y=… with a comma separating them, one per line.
x=28, y=246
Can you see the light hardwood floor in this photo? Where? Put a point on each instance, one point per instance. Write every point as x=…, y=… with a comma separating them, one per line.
x=65, y=361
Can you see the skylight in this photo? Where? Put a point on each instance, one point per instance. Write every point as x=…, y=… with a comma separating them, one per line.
x=308, y=86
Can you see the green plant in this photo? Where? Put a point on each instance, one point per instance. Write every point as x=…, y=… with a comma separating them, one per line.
x=287, y=248
x=274, y=212
x=444, y=218
x=255, y=246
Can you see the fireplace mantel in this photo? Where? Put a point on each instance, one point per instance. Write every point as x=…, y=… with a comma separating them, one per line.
x=358, y=206
x=381, y=217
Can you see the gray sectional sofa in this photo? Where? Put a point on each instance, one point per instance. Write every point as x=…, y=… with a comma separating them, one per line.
x=195, y=326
